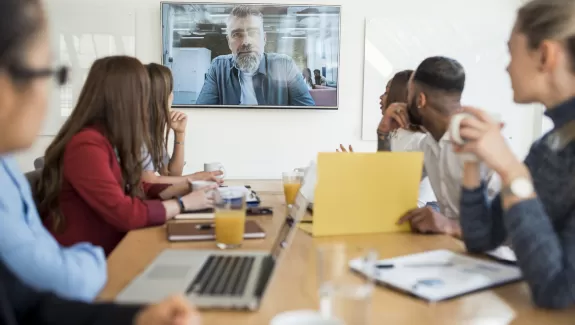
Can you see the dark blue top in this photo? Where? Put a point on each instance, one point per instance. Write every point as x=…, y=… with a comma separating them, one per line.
x=277, y=82
x=541, y=230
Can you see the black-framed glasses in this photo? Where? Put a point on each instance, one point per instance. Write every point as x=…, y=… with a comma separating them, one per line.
x=60, y=73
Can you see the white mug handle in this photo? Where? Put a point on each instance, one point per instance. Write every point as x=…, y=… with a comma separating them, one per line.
x=223, y=170
x=454, y=127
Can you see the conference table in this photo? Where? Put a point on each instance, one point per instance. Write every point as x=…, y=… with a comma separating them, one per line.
x=294, y=284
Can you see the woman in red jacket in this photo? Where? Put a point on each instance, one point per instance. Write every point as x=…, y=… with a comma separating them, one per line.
x=90, y=190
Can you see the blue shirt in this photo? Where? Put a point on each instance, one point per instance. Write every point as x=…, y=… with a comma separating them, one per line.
x=277, y=82
x=30, y=251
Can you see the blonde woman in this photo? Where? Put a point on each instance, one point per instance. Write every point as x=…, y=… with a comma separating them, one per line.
x=535, y=209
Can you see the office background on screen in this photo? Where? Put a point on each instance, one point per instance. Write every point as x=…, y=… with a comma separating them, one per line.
x=193, y=35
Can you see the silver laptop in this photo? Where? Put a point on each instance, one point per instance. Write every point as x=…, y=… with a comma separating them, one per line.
x=214, y=279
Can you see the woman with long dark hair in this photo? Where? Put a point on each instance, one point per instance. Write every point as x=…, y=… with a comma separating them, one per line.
x=159, y=166
x=91, y=189
x=33, y=267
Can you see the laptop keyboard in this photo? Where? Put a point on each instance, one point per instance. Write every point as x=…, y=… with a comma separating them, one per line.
x=222, y=276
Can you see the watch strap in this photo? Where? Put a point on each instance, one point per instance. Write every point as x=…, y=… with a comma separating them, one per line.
x=180, y=203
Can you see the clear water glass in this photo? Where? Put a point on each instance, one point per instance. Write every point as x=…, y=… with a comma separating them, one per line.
x=345, y=295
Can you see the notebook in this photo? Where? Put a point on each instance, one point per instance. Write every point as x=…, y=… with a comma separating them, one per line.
x=503, y=253
x=196, y=215
x=192, y=231
x=440, y=274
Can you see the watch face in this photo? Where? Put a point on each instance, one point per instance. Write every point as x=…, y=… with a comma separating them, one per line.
x=521, y=187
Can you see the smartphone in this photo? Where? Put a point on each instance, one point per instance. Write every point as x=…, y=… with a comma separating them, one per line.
x=259, y=211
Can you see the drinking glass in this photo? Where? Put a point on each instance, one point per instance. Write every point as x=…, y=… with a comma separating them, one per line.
x=292, y=183
x=344, y=295
x=230, y=218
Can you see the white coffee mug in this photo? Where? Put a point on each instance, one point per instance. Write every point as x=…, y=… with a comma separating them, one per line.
x=455, y=127
x=215, y=166
x=303, y=317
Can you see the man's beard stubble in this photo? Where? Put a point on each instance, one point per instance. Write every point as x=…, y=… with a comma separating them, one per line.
x=248, y=62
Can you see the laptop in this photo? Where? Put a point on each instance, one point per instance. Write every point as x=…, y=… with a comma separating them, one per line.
x=215, y=279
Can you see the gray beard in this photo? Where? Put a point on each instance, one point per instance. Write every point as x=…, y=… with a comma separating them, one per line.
x=248, y=63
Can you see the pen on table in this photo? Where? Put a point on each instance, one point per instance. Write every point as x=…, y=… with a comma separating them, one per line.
x=205, y=226
x=390, y=266
x=306, y=221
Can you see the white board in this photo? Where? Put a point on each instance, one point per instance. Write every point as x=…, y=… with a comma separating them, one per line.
x=80, y=34
x=401, y=40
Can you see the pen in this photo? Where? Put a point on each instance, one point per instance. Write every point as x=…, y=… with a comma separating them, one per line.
x=306, y=221
x=205, y=226
x=390, y=266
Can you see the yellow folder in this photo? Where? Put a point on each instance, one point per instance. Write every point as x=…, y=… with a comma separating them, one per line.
x=361, y=193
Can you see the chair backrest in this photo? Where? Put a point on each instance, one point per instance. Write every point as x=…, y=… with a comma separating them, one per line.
x=39, y=163
x=33, y=178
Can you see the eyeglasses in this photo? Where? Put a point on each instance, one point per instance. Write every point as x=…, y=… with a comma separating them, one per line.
x=61, y=73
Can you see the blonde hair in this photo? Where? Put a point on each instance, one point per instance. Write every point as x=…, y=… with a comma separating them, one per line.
x=541, y=20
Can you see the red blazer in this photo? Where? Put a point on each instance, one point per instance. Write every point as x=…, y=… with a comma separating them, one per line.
x=93, y=201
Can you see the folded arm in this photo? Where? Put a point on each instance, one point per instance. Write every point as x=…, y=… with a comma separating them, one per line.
x=481, y=220
x=545, y=254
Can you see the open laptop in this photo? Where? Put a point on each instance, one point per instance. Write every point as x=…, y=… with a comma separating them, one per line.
x=215, y=279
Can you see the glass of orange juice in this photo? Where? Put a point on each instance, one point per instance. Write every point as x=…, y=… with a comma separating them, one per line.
x=230, y=218
x=292, y=182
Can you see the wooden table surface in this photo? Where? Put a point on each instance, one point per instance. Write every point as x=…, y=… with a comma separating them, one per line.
x=294, y=285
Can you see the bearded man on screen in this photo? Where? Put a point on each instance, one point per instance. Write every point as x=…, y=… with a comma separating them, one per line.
x=249, y=76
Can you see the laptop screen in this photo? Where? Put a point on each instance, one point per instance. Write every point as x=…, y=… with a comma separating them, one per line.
x=287, y=229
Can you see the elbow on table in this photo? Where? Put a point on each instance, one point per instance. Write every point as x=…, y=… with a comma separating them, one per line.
x=552, y=303
x=86, y=288
x=552, y=293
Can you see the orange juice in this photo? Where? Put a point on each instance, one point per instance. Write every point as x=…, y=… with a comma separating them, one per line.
x=290, y=191
x=230, y=226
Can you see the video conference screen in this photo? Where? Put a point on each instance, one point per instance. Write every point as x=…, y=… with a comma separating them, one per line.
x=252, y=56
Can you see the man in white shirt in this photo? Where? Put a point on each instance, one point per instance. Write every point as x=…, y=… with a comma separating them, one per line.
x=434, y=94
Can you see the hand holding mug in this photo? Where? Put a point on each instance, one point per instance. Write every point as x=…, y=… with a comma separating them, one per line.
x=478, y=133
x=216, y=167
x=200, y=199
x=213, y=176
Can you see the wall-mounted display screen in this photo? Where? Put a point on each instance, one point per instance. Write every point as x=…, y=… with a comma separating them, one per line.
x=252, y=56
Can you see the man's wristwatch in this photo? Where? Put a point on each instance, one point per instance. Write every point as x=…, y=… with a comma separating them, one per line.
x=520, y=187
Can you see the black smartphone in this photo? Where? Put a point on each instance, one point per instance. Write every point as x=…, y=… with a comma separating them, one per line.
x=259, y=211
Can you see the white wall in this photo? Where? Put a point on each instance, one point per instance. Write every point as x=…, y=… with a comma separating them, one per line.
x=263, y=143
